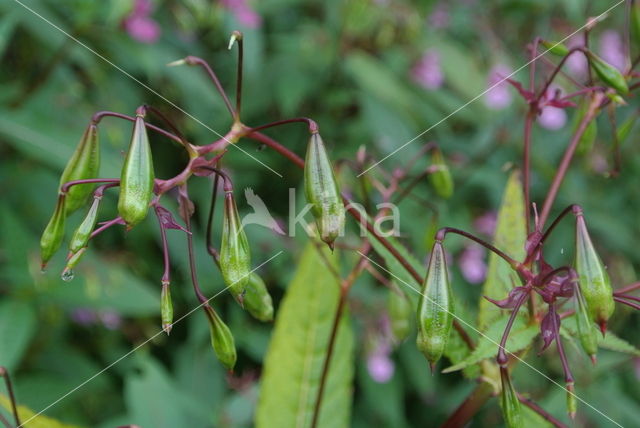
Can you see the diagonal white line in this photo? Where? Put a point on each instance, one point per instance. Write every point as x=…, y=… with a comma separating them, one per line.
x=599, y=17
x=488, y=338
x=143, y=343
x=148, y=88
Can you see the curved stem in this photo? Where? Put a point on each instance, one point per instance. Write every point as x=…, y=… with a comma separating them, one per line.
x=539, y=410
x=96, y=118
x=313, y=126
x=166, y=120
x=194, y=60
x=502, y=359
x=628, y=288
x=184, y=201
x=227, y=184
x=214, y=193
x=526, y=164
x=237, y=36
x=557, y=69
x=626, y=302
x=469, y=407
x=165, y=250
x=117, y=220
x=5, y=374
x=65, y=187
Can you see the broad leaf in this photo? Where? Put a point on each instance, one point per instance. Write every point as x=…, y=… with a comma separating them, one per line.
x=521, y=336
x=510, y=236
x=26, y=414
x=293, y=365
x=17, y=328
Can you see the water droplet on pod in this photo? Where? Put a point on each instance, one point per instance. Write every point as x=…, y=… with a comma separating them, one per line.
x=67, y=275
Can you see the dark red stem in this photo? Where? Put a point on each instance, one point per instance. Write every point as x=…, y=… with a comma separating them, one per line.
x=5, y=374
x=626, y=302
x=194, y=60
x=469, y=407
x=313, y=126
x=502, y=358
x=98, y=117
x=539, y=410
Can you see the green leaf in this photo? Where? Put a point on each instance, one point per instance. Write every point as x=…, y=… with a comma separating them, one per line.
x=296, y=354
x=533, y=419
x=510, y=237
x=610, y=341
x=17, y=328
x=26, y=414
x=521, y=336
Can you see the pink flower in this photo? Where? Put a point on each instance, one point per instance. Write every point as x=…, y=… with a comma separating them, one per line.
x=486, y=223
x=612, y=49
x=577, y=63
x=439, y=18
x=498, y=97
x=380, y=366
x=245, y=15
x=472, y=264
x=427, y=72
x=140, y=25
x=552, y=118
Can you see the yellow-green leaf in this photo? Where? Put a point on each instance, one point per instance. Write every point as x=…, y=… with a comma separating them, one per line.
x=26, y=414
x=293, y=365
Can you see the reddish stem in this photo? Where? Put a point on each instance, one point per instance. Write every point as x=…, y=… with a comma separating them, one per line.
x=628, y=288
x=539, y=410
x=313, y=126
x=526, y=161
x=105, y=226
x=98, y=117
x=501, y=358
x=469, y=407
x=65, y=187
x=626, y=302
x=194, y=60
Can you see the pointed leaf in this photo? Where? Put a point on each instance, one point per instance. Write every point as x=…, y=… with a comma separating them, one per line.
x=297, y=351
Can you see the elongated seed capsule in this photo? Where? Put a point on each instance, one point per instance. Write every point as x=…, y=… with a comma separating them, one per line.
x=83, y=164
x=589, y=135
x=625, y=129
x=54, y=232
x=559, y=49
x=221, y=339
x=166, y=308
x=82, y=234
x=593, y=277
x=435, y=308
x=235, y=254
x=441, y=178
x=322, y=191
x=509, y=402
x=586, y=331
x=399, y=310
x=136, y=180
x=609, y=75
x=572, y=403
x=257, y=299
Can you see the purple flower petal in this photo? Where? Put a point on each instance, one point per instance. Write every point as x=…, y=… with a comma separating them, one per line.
x=166, y=219
x=550, y=327
x=512, y=299
x=380, y=367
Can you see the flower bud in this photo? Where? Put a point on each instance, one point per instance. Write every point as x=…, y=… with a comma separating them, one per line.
x=435, y=308
x=235, y=254
x=221, y=339
x=594, y=279
x=257, y=299
x=609, y=75
x=399, y=309
x=136, y=180
x=82, y=234
x=586, y=332
x=554, y=48
x=54, y=232
x=441, y=178
x=590, y=133
x=322, y=191
x=509, y=402
x=84, y=164
x=166, y=308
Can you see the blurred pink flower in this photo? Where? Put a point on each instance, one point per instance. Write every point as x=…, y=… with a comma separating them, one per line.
x=87, y=317
x=427, y=72
x=577, y=63
x=245, y=15
x=499, y=96
x=486, y=223
x=379, y=365
x=552, y=118
x=140, y=25
x=439, y=18
x=472, y=264
x=612, y=49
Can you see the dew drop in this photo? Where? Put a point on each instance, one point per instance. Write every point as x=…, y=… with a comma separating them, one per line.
x=562, y=251
x=67, y=275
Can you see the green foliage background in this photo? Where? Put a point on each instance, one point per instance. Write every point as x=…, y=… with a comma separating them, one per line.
x=345, y=64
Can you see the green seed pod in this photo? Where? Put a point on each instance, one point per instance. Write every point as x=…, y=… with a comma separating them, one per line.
x=166, y=308
x=441, y=178
x=221, y=339
x=559, y=49
x=82, y=234
x=399, y=309
x=54, y=232
x=610, y=75
x=591, y=131
x=322, y=191
x=136, y=180
x=235, y=254
x=572, y=403
x=435, y=308
x=593, y=277
x=586, y=332
x=509, y=402
x=257, y=299
x=625, y=129
x=72, y=261
x=84, y=164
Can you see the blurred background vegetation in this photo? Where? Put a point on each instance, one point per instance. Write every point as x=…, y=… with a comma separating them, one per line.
x=372, y=73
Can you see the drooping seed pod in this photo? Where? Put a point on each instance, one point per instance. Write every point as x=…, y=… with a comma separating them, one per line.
x=166, y=307
x=435, y=308
x=82, y=234
x=221, y=339
x=322, y=191
x=509, y=402
x=136, y=180
x=590, y=133
x=257, y=299
x=586, y=331
x=609, y=75
x=554, y=48
x=54, y=232
x=594, y=279
x=67, y=274
x=235, y=254
x=84, y=164
x=441, y=178
x=399, y=310
x=572, y=403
